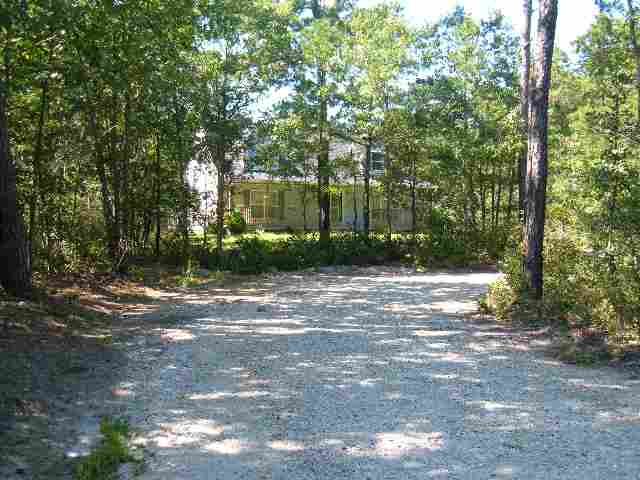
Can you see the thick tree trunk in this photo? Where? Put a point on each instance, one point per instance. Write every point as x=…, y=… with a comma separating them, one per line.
x=536, y=185
x=15, y=260
x=525, y=83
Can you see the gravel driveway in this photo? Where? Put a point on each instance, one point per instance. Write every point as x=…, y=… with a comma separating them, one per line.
x=369, y=374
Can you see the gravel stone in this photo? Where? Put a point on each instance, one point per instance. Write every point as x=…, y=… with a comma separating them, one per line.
x=379, y=373
x=370, y=372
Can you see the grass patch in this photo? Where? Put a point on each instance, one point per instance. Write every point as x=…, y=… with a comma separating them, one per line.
x=113, y=450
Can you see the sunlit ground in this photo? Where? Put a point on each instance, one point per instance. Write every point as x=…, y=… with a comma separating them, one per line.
x=380, y=374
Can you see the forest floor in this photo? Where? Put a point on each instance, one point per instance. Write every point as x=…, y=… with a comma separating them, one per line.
x=374, y=373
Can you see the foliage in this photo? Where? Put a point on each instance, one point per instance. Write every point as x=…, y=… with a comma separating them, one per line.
x=579, y=289
x=260, y=253
x=236, y=223
x=113, y=450
x=105, y=116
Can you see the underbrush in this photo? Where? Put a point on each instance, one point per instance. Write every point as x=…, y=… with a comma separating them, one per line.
x=113, y=450
x=253, y=254
x=594, y=308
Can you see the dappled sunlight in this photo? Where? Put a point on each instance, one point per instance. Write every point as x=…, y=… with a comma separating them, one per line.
x=581, y=383
x=121, y=392
x=399, y=444
x=492, y=334
x=438, y=345
x=286, y=446
x=437, y=333
x=494, y=406
x=624, y=416
x=176, y=335
x=354, y=376
x=224, y=395
x=506, y=472
x=447, y=357
x=229, y=446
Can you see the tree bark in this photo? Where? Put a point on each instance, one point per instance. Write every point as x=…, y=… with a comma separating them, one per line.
x=355, y=198
x=37, y=169
x=183, y=216
x=414, y=206
x=15, y=261
x=319, y=10
x=525, y=83
x=220, y=200
x=324, y=200
x=366, y=207
x=157, y=212
x=536, y=185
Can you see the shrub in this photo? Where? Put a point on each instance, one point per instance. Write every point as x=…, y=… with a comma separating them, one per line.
x=580, y=287
x=114, y=449
x=252, y=255
x=500, y=299
x=235, y=222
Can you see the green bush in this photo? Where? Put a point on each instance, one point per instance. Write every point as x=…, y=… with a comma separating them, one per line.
x=235, y=223
x=580, y=287
x=252, y=254
x=113, y=450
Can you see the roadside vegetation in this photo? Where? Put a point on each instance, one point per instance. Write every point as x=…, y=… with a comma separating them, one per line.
x=115, y=448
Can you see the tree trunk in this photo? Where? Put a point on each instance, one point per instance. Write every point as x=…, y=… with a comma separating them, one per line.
x=388, y=172
x=116, y=186
x=15, y=261
x=414, y=207
x=220, y=200
x=324, y=199
x=366, y=207
x=355, y=198
x=37, y=169
x=124, y=227
x=157, y=212
x=183, y=216
x=525, y=83
x=536, y=185
x=305, y=189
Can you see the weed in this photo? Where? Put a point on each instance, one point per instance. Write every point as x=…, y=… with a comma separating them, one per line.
x=114, y=449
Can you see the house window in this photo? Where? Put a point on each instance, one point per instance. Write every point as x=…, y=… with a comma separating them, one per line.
x=377, y=163
x=378, y=210
x=336, y=207
x=264, y=206
x=276, y=205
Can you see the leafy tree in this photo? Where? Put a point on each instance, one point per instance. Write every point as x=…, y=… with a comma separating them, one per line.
x=236, y=67
x=378, y=54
